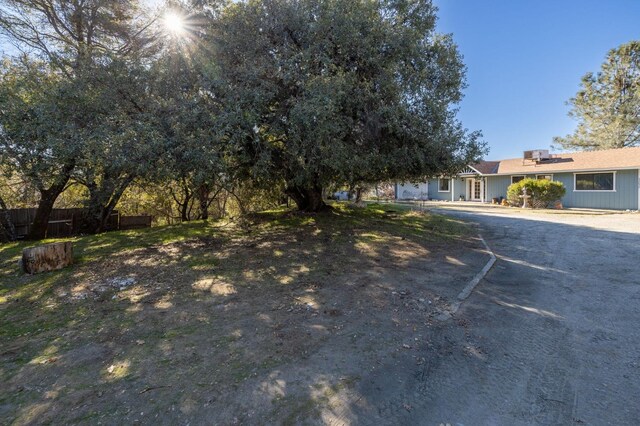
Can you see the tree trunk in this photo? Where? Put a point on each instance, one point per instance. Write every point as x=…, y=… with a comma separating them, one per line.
x=223, y=208
x=48, y=257
x=38, y=229
x=7, y=230
x=108, y=209
x=359, y=192
x=307, y=199
x=48, y=198
x=205, y=198
x=184, y=208
x=203, y=202
x=241, y=206
x=102, y=201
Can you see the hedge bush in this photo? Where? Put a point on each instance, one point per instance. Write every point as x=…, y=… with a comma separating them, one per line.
x=543, y=192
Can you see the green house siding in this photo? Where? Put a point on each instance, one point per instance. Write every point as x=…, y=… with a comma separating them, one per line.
x=624, y=197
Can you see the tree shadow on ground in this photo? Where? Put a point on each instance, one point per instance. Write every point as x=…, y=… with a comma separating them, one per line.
x=278, y=320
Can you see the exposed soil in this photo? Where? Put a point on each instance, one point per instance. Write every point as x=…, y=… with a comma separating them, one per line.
x=276, y=321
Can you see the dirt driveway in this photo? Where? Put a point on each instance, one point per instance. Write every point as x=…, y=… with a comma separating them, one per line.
x=551, y=336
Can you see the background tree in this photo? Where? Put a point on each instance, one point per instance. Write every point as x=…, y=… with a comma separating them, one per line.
x=39, y=135
x=607, y=106
x=71, y=38
x=7, y=230
x=193, y=169
x=339, y=91
x=124, y=144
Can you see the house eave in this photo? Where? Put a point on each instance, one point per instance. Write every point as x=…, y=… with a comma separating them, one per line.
x=532, y=172
x=473, y=172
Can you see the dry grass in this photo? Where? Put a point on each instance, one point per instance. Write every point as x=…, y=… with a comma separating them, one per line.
x=268, y=321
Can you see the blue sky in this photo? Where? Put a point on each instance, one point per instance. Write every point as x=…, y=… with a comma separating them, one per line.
x=525, y=60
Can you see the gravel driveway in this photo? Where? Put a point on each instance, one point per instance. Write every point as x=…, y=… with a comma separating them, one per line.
x=550, y=336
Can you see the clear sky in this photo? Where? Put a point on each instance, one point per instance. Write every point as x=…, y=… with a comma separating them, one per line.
x=525, y=59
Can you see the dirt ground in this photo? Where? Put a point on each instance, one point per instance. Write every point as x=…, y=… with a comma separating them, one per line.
x=277, y=320
x=551, y=335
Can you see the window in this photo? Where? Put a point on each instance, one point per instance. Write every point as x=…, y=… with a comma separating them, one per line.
x=595, y=181
x=544, y=177
x=516, y=179
x=443, y=185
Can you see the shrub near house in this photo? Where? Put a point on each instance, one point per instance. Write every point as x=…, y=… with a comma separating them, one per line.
x=543, y=192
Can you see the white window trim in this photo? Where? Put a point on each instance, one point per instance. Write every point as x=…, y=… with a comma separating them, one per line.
x=522, y=176
x=448, y=185
x=594, y=173
x=546, y=174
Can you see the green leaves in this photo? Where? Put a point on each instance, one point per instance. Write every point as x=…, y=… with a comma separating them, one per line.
x=541, y=191
x=341, y=91
x=607, y=106
x=293, y=94
x=38, y=112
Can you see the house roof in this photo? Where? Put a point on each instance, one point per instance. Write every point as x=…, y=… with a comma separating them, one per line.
x=609, y=159
x=487, y=167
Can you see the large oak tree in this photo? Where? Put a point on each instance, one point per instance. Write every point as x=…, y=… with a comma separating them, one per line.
x=340, y=91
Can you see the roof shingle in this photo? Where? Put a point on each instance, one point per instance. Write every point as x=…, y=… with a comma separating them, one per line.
x=610, y=159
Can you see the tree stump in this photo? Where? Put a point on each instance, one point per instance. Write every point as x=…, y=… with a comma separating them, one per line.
x=48, y=257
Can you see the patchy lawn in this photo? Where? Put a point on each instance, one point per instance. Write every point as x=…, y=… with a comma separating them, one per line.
x=276, y=319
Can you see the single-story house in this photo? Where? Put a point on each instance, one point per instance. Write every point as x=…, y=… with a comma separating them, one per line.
x=607, y=179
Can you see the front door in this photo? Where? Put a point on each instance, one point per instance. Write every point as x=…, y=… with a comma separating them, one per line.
x=477, y=190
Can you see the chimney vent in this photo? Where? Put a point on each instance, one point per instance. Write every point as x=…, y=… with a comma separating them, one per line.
x=537, y=155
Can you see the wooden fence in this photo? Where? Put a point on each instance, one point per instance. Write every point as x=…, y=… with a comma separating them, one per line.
x=65, y=222
x=135, y=222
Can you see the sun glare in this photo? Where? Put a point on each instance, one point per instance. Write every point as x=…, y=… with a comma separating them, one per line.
x=174, y=23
